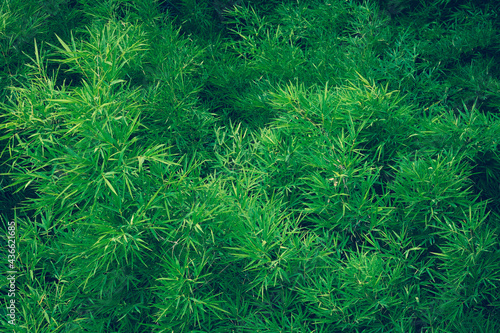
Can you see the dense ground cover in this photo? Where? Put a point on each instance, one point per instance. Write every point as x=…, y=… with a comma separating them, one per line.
x=251, y=166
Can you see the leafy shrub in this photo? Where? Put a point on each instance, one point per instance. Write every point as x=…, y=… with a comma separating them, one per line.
x=241, y=166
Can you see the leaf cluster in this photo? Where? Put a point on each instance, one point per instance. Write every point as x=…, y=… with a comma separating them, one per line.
x=242, y=166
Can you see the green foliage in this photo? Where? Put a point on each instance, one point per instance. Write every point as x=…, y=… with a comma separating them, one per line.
x=242, y=166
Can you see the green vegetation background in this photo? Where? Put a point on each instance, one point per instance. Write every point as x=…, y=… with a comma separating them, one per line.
x=252, y=166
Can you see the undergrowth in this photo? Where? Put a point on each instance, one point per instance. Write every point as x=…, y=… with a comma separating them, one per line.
x=251, y=166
